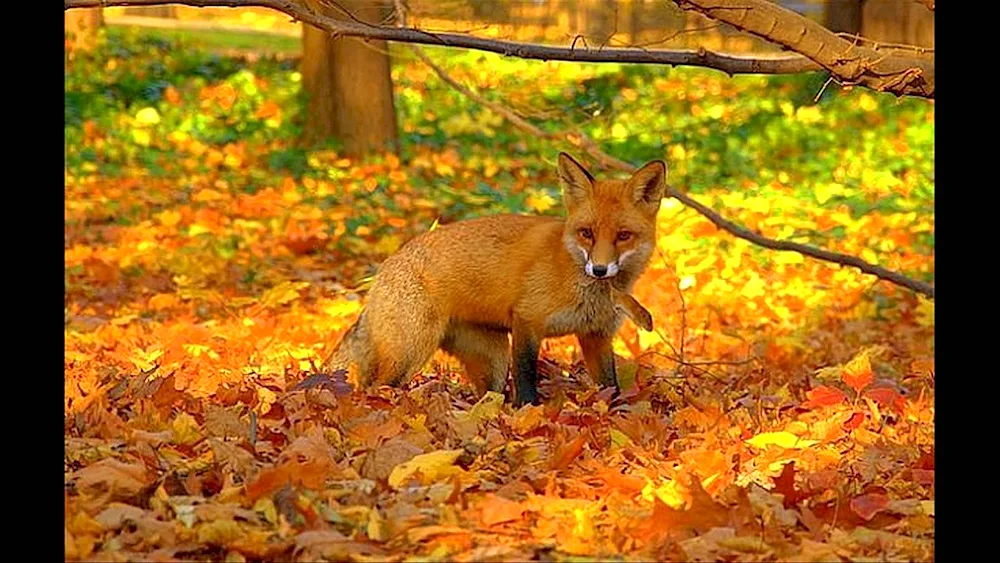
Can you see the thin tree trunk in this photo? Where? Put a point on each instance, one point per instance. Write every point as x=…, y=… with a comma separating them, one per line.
x=349, y=86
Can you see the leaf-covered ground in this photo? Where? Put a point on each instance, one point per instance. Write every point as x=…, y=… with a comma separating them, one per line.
x=782, y=409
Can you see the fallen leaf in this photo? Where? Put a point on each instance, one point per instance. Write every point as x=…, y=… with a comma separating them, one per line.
x=782, y=439
x=823, y=396
x=867, y=506
x=122, y=480
x=858, y=372
x=494, y=510
x=431, y=466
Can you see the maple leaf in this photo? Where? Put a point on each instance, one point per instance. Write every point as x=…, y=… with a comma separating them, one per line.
x=784, y=484
x=858, y=372
x=701, y=515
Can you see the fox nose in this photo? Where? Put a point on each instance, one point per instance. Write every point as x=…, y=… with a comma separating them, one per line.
x=599, y=271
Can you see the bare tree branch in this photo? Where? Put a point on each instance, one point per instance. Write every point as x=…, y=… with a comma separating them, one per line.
x=728, y=63
x=581, y=140
x=885, y=70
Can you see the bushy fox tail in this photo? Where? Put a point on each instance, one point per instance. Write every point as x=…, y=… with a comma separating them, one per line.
x=354, y=354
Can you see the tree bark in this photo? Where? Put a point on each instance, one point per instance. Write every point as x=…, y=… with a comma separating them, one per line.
x=81, y=27
x=844, y=16
x=348, y=84
x=153, y=11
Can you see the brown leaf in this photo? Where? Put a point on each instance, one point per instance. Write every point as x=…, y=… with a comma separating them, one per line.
x=867, y=506
x=314, y=545
x=233, y=458
x=380, y=462
x=122, y=480
x=225, y=422
x=887, y=397
x=117, y=514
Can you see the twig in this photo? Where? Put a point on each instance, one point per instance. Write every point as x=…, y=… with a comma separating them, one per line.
x=609, y=161
x=891, y=71
x=728, y=63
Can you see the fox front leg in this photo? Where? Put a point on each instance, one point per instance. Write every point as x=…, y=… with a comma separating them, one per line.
x=524, y=348
x=599, y=356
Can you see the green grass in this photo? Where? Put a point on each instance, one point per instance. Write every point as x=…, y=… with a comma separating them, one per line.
x=219, y=40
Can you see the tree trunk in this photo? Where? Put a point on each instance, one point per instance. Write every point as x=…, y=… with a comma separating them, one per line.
x=844, y=16
x=348, y=85
x=153, y=11
x=81, y=27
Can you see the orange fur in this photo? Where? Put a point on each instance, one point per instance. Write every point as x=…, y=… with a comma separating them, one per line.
x=465, y=286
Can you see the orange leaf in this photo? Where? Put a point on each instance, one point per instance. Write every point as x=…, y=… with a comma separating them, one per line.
x=823, y=396
x=568, y=452
x=494, y=510
x=858, y=372
x=856, y=419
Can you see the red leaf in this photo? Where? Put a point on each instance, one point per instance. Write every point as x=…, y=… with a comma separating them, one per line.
x=887, y=397
x=867, y=506
x=856, y=419
x=823, y=396
x=923, y=476
x=784, y=484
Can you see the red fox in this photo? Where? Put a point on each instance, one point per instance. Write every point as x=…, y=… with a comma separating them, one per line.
x=464, y=287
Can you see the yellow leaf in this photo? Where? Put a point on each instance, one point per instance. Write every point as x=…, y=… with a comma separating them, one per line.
x=141, y=137
x=619, y=439
x=541, y=201
x=219, y=532
x=753, y=288
x=266, y=398
x=185, y=429
x=147, y=116
x=487, y=408
x=388, y=244
x=669, y=491
x=169, y=218
x=781, y=439
x=282, y=293
x=431, y=466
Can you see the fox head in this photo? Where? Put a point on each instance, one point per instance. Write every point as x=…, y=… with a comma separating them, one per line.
x=611, y=224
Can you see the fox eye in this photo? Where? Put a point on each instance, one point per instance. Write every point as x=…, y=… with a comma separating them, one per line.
x=624, y=236
x=587, y=233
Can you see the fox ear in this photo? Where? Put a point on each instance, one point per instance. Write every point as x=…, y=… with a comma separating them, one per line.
x=649, y=183
x=575, y=179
